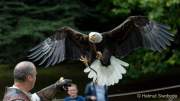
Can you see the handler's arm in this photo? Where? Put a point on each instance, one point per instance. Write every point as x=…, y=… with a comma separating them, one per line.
x=48, y=93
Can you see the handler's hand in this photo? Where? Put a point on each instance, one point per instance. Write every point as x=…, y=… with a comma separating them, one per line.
x=63, y=84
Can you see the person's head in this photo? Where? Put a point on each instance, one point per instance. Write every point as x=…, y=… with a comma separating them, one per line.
x=72, y=90
x=25, y=73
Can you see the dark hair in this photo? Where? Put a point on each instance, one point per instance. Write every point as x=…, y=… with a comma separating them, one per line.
x=22, y=71
x=73, y=85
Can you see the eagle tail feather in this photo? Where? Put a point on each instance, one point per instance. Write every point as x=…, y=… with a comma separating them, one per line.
x=107, y=75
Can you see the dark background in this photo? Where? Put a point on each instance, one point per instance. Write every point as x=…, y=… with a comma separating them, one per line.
x=25, y=23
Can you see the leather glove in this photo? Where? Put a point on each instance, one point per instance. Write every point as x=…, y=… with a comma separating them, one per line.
x=48, y=93
x=63, y=84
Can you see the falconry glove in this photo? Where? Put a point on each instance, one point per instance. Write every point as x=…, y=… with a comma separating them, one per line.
x=48, y=93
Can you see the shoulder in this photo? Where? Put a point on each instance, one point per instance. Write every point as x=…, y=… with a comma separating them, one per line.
x=16, y=98
x=66, y=98
x=90, y=84
x=81, y=98
x=13, y=94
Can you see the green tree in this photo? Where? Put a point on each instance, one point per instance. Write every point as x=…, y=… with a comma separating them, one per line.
x=24, y=23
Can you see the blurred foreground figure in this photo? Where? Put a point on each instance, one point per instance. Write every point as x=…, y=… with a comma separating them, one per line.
x=24, y=80
x=96, y=92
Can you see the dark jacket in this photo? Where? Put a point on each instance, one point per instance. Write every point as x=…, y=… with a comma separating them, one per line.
x=90, y=90
x=78, y=98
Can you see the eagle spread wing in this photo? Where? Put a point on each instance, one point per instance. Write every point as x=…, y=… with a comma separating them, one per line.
x=133, y=33
x=65, y=43
x=136, y=32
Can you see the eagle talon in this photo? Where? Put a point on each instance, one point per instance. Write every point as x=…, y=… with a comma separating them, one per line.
x=84, y=60
x=99, y=55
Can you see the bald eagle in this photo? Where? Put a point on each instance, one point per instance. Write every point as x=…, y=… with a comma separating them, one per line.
x=135, y=32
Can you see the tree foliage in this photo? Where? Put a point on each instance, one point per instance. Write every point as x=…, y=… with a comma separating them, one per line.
x=25, y=23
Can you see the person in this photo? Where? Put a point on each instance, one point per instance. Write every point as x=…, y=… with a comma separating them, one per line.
x=24, y=80
x=95, y=92
x=73, y=94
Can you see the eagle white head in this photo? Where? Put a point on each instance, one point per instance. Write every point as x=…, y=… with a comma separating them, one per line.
x=95, y=37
